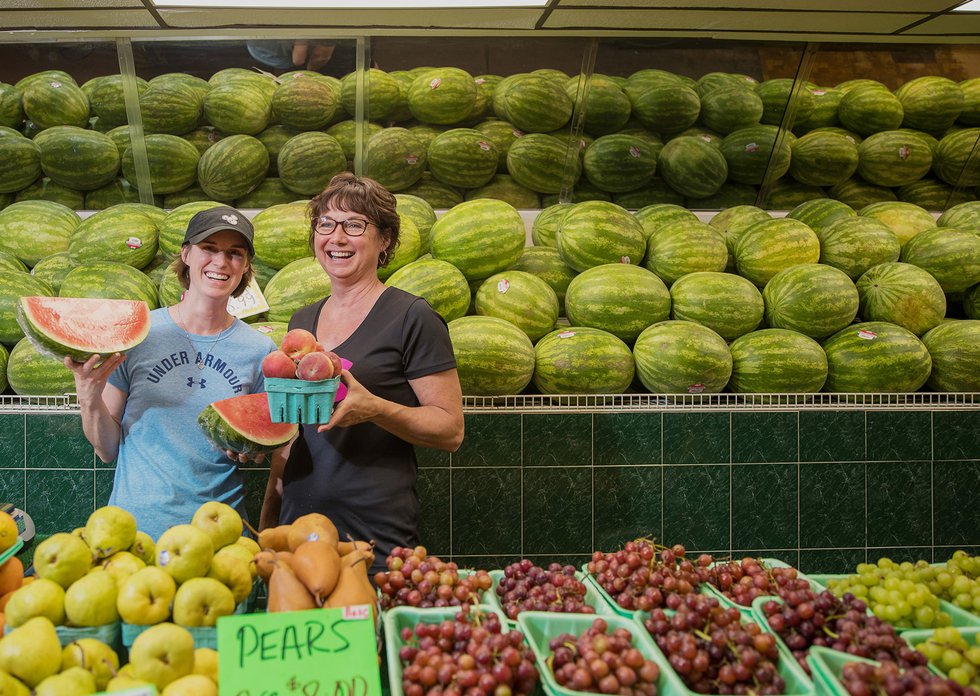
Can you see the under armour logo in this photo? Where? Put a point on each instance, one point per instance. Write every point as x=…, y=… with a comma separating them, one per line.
x=230, y=219
x=191, y=382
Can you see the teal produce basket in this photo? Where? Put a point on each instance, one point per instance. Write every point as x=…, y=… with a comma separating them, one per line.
x=592, y=597
x=110, y=634
x=708, y=588
x=300, y=401
x=914, y=638
x=610, y=602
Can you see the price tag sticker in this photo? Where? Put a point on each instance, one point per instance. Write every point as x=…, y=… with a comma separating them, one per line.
x=249, y=303
x=331, y=652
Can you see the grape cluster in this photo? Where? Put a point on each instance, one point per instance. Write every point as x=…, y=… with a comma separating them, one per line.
x=743, y=581
x=600, y=661
x=806, y=618
x=643, y=575
x=888, y=679
x=419, y=580
x=951, y=653
x=527, y=587
x=467, y=656
x=714, y=651
x=956, y=582
x=897, y=593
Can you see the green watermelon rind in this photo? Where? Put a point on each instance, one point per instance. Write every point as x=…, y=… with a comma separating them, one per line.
x=876, y=357
x=225, y=436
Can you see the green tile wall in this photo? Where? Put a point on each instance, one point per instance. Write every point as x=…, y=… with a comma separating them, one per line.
x=819, y=488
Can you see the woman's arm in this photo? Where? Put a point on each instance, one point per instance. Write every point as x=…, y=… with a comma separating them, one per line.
x=272, y=502
x=436, y=422
x=101, y=404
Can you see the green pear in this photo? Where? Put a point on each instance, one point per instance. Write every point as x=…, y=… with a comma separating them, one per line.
x=144, y=548
x=201, y=601
x=244, y=553
x=206, y=663
x=94, y=656
x=121, y=565
x=126, y=671
x=230, y=566
x=11, y=686
x=42, y=597
x=63, y=558
x=91, y=601
x=219, y=521
x=249, y=543
x=161, y=654
x=74, y=681
x=145, y=596
x=32, y=653
x=110, y=529
x=185, y=552
x=80, y=533
x=125, y=683
x=191, y=685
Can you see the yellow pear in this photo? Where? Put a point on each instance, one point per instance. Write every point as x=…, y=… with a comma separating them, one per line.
x=11, y=686
x=32, y=653
x=110, y=529
x=91, y=600
x=162, y=654
x=219, y=521
x=144, y=548
x=94, y=656
x=62, y=558
x=242, y=552
x=206, y=663
x=125, y=683
x=121, y=565
x=74, y=681
x=232, y=569
x=42, y=597
x=201, y=602
x=145, y=596
x=185, y=552
x=249, y=543
x=191, y=685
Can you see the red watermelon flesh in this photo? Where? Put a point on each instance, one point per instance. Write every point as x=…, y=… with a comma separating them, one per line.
x=80, y=327
x=243, y=424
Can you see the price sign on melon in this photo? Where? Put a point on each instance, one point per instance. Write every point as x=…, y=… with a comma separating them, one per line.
x=321, y=652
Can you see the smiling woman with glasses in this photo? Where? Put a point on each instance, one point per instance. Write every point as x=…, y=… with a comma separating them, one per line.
x=359, y=469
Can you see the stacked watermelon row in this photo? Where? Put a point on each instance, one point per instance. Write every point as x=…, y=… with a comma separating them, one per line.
x=447, y=136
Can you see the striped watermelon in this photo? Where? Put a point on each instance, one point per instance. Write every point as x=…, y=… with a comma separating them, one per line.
x=848, y=85
x=274, y=137
x=59, y=75
x=933, y=194
x=115, y=192
x=823, y=159
x=111, y=281
x=954, y=162
x=282, y=234
x=346, y=131
x=503, y=188
x=442, y=96
x=520, y=298
x=620, y=163
x=951, y=256
x=171, y=231
x=20, y=162
x=11, y=107
x=479, y=237
x=655, y=193
x=275, y=330
x=812, y=299
x=692, y=167
x=172, y=162
x=31, y=373
x=533, y=103
x=267, y=194
x=902, y=294
x=31, y=230
x=381, y=94
x=308, y=161
x=775, y=96
x=732, y=222
x=55, y=102
x=171, y=107
x=770, y=246
x=106, y=98
x=296, y=285
x=582, y=360
x=420, y=212
x=598, y=232
x=658, y=215
x=751, y=153
x=820, y=213
x=730, y=194
x=970, y=115
x=395, y=158
x=964, y=216
x=682, y=247
x=905, y=220
x=855, y=244
x=493, y=357
x=79, y=159
x=619, y=298
x=441, y=284
x=200, y=86
x=825, y=102
x=53, y=268
x=463, y=157
x=503, y=135
x=727, y=304
x=263, y=82
x=607, y=108
x=714, y=81
x=408, y=249
x=931, y=104
x=681, y=357
x=238, y=108
x=875, y=357
x=870, y=109
x=646, y=78
x=858, y=193
x=13, y=286
x=435, y=193
x=115, y=234
x=971, y=302
x=305, y=103
x=954, y=347
x=777, y=361
x=729, y=109
x=546, y=263
x=232, y=167
x=538, y=160
x=891, y=158
x=12, y=263
x=46, y=190
x=668, y=107
x=786, y=194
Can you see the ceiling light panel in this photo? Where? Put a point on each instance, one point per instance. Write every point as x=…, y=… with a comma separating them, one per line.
x=349, y=4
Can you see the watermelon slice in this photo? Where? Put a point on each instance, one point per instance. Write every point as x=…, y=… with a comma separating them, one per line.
x=242, y=424
x=80, y=327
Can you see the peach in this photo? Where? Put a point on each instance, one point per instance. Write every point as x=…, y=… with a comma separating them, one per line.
x=315, y=366
x=278, y=364
x=338, y=366
x=297, y=343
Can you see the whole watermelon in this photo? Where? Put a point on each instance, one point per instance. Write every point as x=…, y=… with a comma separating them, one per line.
x=855, y=244
x=731, y=223
x=777, y=361
x=905, y=220
x=282, y=234
x=823, y=159
x=681, y=357
x=462, y=157
x=619, y=298
x=55, y=102
x=538, y=160
x=32, y=230
x=31, y=373
x=893, y=158
x=727, y=304
x=751, y=153
x=533, y=103
x=305, y=103
x=77, y=158
x=875, y=357
x=308, y=161
x=819, y=213
x=172, y=163
x=620, y=162
x=171, y=107
x=951, y=256
x=479, y=237
x=770, y=246
x=20, y=162
x=109, y=280
x=582, y=360
x=954, y=162
x=685, y=246
x=594, y=233
x=232, y=167
x=442, y=95
x=728, y=109
x=13, y=286
x=118, y=234
x=520, y=298
x=870, y=109
x=902, y=294
x=666, y=107
x=931, y=104
x=441, y=284
x=395, y=158
x=493, y=357
x=954, y=347
x=812, y=299
x=296, y=285
x=692, y=167
x=238, y=108
x=965, y=216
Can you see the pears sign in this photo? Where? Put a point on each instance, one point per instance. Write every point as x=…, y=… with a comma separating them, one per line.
x=329, y=652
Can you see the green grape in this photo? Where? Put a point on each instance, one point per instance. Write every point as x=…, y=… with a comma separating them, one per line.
x=959, y=675
x=951, y=658
x=925, y=616
x=973, y=655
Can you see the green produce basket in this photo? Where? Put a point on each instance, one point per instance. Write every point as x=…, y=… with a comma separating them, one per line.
x=110, y=634
x=301, y=401
x=397, y=618
x=539, y=627
x=921, y=635
x=708, y=588
x=610, y=602
x=826, y=666
x=12, y=551
x=592, y=597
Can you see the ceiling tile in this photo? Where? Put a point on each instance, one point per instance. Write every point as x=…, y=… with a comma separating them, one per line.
x=917, y=6
x=960, y=24
x=411, y=19
x=77, y=20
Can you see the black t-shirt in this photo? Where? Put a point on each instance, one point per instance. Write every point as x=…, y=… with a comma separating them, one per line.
x=363, y=477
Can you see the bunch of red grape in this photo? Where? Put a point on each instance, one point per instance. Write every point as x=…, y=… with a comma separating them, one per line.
x=643, y=575
x=527, y=587
x=602, y=662
x=467, y=655
x=714, y=651
x=806, y=618
x=419, y=580
x=743, y=581
x=888, y=679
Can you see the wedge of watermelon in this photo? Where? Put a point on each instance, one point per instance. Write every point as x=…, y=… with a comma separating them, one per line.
x=80, y=327
x=242, y=424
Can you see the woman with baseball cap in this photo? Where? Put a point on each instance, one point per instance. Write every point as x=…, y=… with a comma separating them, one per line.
x=141, y=409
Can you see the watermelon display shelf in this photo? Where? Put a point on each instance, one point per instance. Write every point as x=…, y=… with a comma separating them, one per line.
x=592, y=597
x=300, y=401
x=610, y=602
x=708, y=588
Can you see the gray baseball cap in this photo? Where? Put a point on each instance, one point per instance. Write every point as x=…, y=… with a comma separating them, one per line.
x=213, y=220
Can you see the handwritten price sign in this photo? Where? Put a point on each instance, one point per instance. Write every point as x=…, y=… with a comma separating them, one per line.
x=321, y=652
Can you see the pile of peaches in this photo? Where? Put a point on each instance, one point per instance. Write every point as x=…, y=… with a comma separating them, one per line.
x=301, y=356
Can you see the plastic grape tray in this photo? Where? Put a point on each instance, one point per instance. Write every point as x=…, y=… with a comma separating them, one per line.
x=301, y=401
x=9, y=553
x=826, y=666
x=397, y=618
x=708, y=588
x=921, y=635
x=610, y=602
x=592, y=597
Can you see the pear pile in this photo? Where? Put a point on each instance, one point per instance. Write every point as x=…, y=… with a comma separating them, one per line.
x=306, y=566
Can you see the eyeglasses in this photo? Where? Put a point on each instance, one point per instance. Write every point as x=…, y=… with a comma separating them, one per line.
x=354, y=227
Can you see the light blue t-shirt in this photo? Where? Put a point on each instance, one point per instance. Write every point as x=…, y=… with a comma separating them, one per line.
x=166, y=468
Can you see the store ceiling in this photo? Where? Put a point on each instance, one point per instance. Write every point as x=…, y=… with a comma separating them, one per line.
x=817, y=20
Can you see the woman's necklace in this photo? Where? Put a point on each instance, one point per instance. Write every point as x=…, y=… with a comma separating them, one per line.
x=201, y=362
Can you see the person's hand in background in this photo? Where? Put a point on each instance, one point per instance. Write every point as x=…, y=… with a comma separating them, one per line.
x=311, y=55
